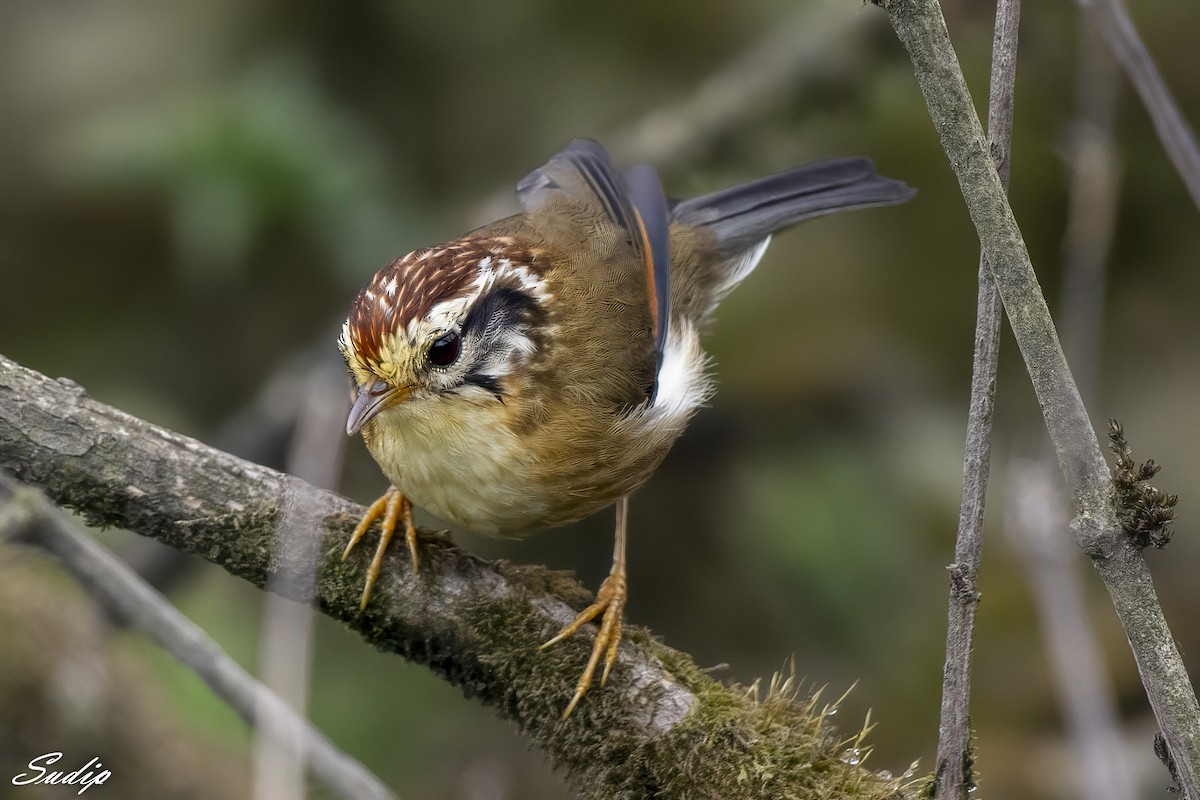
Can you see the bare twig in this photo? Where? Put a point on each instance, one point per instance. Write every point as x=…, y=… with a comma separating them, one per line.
x=954, y=760
x=1035, y=521
x=285, y=647
x=26, y=517
x=792, y=51
x=476, y=624
x=1091, y=206
x=1097, y=527
x=1173, y=130
x=773, y=66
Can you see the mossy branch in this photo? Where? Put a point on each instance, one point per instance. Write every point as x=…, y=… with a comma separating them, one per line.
x=660, y=729
x=1097, y=524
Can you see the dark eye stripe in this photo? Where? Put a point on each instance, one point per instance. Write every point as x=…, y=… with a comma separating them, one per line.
x=485, y=382
x=495, y=320
x=409, y=287
x=497, y=310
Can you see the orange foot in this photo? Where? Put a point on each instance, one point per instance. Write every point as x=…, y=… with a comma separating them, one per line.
x=610, y=601
x=392, y=506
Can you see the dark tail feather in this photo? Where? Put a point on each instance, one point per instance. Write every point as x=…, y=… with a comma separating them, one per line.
x=746, y=214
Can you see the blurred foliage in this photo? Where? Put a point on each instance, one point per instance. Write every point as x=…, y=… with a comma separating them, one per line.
x=191, y=193
x=235, y=162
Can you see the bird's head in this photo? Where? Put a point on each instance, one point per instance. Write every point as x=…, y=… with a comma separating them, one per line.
x=450, y=322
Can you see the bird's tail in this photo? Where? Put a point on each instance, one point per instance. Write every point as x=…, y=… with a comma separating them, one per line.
x=743, y=216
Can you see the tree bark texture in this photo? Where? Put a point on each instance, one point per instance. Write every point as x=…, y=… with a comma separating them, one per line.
x=661, y=728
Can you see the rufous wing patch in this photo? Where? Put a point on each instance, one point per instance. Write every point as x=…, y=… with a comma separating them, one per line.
x=653, y=226
x=582, y=171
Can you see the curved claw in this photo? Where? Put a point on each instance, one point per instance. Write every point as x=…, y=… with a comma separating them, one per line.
x=393, y=507
x=610, y=601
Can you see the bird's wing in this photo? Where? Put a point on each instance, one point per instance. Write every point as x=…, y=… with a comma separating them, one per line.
x=582, y=171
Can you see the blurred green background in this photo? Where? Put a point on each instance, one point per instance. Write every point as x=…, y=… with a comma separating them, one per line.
x=192, y=192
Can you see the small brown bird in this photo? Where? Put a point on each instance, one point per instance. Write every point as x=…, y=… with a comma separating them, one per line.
x=537, y=370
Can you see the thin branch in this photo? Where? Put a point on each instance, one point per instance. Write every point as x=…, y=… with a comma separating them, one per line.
x=1035, y=517
x=775, y=65
x=26, y=517
x=790, y=52
x=922, y=30
x=661, y=727
x=1034, y=523
x=1091, y=205
x=1097, y=527
x=1173, y=130
x=286, y=641
x=954, y=760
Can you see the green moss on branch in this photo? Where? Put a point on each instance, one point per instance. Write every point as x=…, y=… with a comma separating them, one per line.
x=661, y=728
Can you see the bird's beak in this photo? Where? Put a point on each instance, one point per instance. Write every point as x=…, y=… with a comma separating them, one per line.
x=373, y=398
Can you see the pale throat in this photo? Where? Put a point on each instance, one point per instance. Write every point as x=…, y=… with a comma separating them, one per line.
x=459, y=458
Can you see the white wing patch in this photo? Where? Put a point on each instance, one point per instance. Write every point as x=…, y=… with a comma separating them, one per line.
x=740, y=271
x=683, y=381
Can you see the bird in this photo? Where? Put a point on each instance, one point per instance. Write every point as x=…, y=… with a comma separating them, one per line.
x=537, y=370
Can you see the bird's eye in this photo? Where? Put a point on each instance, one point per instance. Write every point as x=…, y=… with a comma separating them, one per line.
x=445, y=350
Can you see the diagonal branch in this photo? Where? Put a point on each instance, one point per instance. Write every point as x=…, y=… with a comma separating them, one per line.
x=286, y=634
x=1035, y=518
x=778, y=64
x=1173, y=131
x=1097, y=527
x=661, y=728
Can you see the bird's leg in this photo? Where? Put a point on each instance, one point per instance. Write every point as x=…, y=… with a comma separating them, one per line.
x=610, y=601
x=392, y=506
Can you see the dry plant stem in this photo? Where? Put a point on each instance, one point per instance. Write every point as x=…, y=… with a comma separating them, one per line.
x=474, y=623
x=773, y=67
x=800, y=46
x=922, y=29
x=25, y=516
x=1035, y=519
x=1091, y=206
x=286, y=639
x=1173, y=131
x=1034, y=523
x=953, y=768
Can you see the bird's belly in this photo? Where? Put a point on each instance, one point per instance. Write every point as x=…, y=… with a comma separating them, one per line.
x=468, y=469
